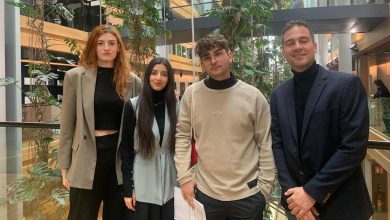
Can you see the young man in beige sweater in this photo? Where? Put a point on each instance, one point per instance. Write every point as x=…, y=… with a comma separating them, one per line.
x=231, y=122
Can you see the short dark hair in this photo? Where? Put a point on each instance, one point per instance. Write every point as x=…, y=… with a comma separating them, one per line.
x=292, y=24
x=209, y=42
x=379, y=82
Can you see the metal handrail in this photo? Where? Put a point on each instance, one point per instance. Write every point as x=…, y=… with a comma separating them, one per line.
x=382, y=145
x=372, y=144
x=276, y=207
x=29, y=124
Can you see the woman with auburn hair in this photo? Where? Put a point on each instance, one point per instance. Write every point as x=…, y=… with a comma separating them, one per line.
x=148, y=145
x=92, y=105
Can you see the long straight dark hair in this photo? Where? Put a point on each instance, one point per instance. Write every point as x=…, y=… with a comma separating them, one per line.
x=146, y=110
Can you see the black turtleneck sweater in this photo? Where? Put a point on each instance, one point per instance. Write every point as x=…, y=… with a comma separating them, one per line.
x=159, y=111
x=223, y=84
x=303, y=81
x=108, y=105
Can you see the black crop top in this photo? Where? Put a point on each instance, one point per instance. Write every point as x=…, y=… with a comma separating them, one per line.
x=108, y=105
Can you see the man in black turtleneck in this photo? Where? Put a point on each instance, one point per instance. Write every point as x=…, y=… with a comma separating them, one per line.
x=231, y=123
x=319, y=132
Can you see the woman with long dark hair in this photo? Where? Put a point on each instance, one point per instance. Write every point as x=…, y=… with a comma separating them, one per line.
x=148, y=144
x=93, y=99
x=381, y=90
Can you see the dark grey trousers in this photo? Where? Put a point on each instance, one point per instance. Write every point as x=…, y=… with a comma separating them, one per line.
x=250, y=208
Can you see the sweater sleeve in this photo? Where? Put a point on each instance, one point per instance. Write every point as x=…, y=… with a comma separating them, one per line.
x=183, y=139
x=127, y=149
x=267, y=170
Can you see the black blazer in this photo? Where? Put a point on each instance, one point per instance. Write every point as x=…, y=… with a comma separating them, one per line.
x=332, y=145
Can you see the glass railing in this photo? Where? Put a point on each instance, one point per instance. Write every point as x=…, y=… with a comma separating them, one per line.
x=182, y=8
x=30, y=182
x=380, y=115
x=88, y=14
x=328, y=3
x=31, y=187
x=179, y=9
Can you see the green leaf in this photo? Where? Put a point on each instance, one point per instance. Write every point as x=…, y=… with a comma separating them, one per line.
x=7, y=81
x=59, y=196
x=57, y=172
x=54, y=102
x=248, y=71
x=40, y=169
x=63, y=11
x=24, y=190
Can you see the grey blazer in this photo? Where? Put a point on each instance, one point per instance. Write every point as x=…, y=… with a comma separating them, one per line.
x=77, y=150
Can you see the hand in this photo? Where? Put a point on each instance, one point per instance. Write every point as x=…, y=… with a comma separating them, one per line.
x=299, y=202
x=307, y=216
x=65, y=181
x=130, y=202
x=187, y=189
x=310, y=215
x=314, y=211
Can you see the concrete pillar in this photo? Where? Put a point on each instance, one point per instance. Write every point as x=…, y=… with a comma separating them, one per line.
x=162, y=51
x=363, y=71
x=342, y=2
x=322, y=3
x=3, y=152
x=368, y=175
x=345, y=56
x=13, y=100
x=2, y=67
x=322, y=50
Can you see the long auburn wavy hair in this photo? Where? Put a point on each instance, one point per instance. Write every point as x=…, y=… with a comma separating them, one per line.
x=89, y=58
x=146, y=110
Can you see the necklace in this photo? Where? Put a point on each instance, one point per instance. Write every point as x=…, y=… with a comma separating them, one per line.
x=158, y=103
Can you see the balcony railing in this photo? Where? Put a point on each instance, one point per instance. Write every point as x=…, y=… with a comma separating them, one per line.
x=88, y=14
x=31, y=186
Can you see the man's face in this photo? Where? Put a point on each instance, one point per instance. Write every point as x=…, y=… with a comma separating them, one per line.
x=217, y=63
x=299, y=49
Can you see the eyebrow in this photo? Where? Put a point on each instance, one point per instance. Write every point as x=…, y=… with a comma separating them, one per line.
x=213, y=52
x=160, y=71
x=106, y=40
x=218, y=50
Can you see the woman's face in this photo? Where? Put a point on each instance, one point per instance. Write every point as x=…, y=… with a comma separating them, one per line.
x=106, y=50
x=159, y=77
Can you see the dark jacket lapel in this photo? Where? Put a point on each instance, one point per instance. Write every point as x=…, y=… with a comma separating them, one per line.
x=290, y=108
x=315, y=93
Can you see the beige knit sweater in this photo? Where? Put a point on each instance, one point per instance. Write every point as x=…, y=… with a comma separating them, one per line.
x=233, y=140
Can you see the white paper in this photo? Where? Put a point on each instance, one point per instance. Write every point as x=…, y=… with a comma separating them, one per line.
x=183, y=211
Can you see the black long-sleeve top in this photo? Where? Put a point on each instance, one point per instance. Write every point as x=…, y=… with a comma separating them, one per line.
x=107, y=104
x=127, y=140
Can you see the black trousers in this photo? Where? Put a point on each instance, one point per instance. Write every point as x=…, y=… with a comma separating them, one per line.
x=85, y=203
x=250, y=208
x=148, y=211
